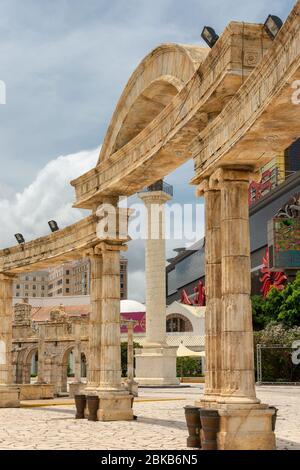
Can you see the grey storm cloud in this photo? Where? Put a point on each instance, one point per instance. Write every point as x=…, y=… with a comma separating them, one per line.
x=65, y=64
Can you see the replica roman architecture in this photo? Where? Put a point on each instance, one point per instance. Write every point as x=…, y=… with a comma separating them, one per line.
x=231, y=109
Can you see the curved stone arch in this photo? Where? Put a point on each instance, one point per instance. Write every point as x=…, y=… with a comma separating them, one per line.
x=167, y=68
x=62, y=363
x=187, y=322
x=23, y=364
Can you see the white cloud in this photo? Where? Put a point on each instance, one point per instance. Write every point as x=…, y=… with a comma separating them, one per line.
x=50, y=196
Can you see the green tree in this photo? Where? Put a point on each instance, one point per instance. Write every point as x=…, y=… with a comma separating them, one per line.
x=124, y=356
x=279, y=306
x=188, y=367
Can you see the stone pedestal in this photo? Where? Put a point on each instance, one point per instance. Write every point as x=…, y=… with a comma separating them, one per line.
x=36, y=391
x=76, y=388
x=155, y=366
x=9, y=393
x=115, y=406
x=246, y=429
x=156, y=362
x=9, y=396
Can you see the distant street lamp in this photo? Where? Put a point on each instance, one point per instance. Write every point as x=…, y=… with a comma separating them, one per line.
x=272, y=25
x=210, y=36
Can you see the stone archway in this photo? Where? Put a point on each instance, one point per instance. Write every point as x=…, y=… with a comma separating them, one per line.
x=64, y=368
x=178, y=323
x=25, y=363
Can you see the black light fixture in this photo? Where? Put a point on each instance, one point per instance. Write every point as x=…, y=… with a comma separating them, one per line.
x=272, y=25
x=20, y=238
x=210, y=36
x=53, y=226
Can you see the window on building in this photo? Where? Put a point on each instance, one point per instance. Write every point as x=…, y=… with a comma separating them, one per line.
x=67, y=290
x=43, y=287
x=67, y=281
x=67, y=272
x=34, y=287
x=18, y=294
x=18, y=286
x=26, y=287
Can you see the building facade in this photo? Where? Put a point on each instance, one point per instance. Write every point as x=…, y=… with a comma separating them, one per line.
x=67, y=279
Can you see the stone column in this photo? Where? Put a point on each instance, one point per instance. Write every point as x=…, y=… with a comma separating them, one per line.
x=77, y=386
x=213, y=311
x=93, y=374
x=156, y=362
x=77, y=352
x=41, y=353
x=130, y=383
x=104, y=371
x=110, y=355
x=245, y=422
x=9, y=393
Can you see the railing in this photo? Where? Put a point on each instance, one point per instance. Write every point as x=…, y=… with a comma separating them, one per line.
x=270, y=179
x=159, y=186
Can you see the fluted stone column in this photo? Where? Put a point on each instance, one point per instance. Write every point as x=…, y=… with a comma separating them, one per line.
x=130, y=383
x=213, y=311
x=110, y=356
x=238, y=381
x=156, y=362
x=41, y=353
x=77, y=352
x=245, y=423
x=95, y=321
x=9, y=393
x=104, y=371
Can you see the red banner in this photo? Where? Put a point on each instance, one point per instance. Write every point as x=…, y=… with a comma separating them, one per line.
x=139, y=317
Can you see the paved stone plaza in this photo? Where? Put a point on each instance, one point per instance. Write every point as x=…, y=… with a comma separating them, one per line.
x=160, y=424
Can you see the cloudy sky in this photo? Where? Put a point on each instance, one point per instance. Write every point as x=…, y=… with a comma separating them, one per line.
x=65, y=64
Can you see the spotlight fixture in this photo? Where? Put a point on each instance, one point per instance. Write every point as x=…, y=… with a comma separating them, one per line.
x=53, y=226
x=272, y=25
x=210, y=36
x=20, y=238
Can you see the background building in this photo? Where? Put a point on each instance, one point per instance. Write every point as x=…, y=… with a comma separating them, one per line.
x=69, y=279
x=32, y=285
x=280, y=180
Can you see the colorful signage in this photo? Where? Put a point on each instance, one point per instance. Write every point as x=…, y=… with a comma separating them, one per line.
x=284, y=243
x=139, y=317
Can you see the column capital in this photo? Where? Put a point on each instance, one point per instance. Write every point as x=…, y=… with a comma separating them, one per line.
x=154, y=197
x=208, y=184
x=236, y=173
x=7, y=277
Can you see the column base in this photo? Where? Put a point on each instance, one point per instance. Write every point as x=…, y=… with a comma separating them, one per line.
x=156, y=366
x=246, y=428
x=76, y=388
x=115, y=406
x=37, y=391
x=9, y=396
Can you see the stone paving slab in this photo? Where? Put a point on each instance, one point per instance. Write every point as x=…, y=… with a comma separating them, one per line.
x=160, y=424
